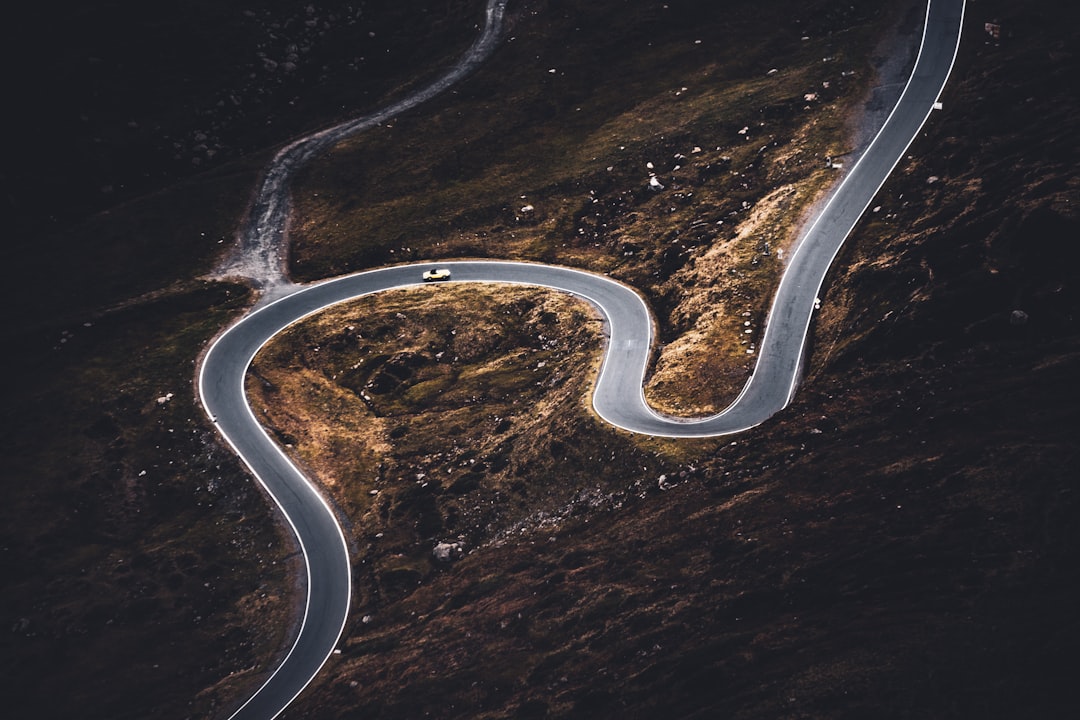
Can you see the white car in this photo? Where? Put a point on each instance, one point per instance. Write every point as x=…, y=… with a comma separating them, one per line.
x=436, y=274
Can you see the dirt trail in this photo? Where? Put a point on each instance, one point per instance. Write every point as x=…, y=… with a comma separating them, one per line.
x=260, y=256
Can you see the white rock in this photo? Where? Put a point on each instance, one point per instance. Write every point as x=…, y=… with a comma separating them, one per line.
x=445, y=552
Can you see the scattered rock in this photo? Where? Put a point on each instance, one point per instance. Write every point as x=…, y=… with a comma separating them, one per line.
x=1018, y=317
x=448, y=552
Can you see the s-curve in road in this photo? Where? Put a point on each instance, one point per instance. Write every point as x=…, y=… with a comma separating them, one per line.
x=258, y=258
x=618, y=397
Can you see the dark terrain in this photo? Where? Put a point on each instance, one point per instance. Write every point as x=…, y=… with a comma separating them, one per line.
x=901, y=542
x=144, y=573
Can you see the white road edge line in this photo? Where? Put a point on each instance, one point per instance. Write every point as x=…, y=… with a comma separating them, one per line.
x=929, y=112
x=493, y=24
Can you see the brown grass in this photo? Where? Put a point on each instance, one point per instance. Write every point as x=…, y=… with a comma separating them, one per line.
x=426, y=411
x=453, y=180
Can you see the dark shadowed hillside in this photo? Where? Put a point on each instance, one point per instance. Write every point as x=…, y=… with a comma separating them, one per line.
x=901, y=542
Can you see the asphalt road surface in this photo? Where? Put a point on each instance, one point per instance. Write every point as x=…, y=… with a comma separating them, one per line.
x=618, y=397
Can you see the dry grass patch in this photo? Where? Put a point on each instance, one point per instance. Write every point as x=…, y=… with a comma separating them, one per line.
x=524, y=163
x=455, y=413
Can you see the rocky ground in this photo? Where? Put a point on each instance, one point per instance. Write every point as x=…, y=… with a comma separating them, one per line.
x=899, y=543
x=682, y=182
x=145, y=574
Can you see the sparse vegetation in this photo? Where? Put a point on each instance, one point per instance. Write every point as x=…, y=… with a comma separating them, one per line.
x=166, y=594
x=899, y=543
x=131, y=537
x=431, y=427
x=547, y=154
x=874, y=550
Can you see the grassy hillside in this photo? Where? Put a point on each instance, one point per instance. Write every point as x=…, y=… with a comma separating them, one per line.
x=899, y=543
x=549, y=154
x=145, y=574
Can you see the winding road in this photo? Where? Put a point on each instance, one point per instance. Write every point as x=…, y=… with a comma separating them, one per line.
x=618, y=396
